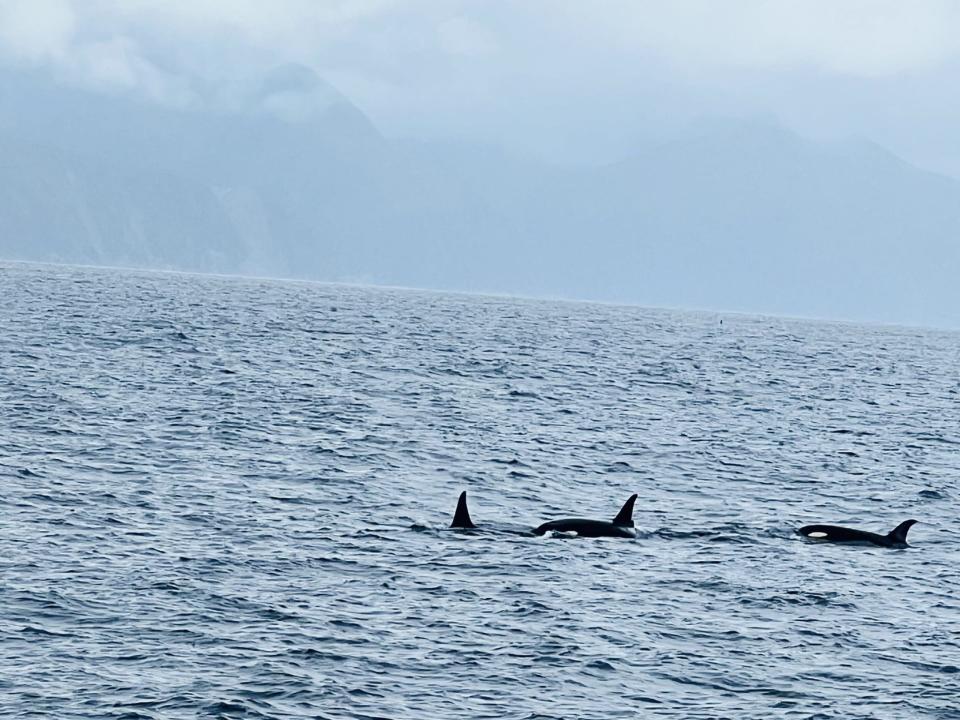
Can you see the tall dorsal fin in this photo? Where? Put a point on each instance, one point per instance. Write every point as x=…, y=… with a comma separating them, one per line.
x=899, y=533
x=625, y=516
x=461, y=518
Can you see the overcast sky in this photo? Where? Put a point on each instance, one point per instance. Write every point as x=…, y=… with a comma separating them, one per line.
x=581, y=81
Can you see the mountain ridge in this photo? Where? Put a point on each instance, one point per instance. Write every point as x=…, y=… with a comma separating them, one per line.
x=740, y=214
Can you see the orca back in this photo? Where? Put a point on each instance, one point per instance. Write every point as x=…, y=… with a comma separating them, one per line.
x=624, y=518
x=837, y=533
x=898, y=536
x=584, y=527
x=461, y=518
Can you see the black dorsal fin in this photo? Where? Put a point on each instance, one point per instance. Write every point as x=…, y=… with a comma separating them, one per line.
x=899, y=533
x=461, y=518
x=625, y=516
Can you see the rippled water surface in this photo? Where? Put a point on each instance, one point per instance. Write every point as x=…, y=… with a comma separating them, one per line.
x=228, y=498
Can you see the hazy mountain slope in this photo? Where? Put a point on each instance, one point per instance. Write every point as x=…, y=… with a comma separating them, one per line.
x=755, y=212
x=296, y=164
x=289, y=178
x=62, y=206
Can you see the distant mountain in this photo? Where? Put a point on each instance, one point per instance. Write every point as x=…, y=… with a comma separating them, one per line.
x=289, y=178
x=753, y=217
x=99, y=178
x=62, y=206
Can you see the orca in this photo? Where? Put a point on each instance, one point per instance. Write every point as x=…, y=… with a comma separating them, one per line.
x=461, y=518
x=463, y=521
x=896, y=538
x=621, y=526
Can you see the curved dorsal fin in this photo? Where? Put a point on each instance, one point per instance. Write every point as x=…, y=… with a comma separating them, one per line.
x=461, y=518
x=899, y=533
x=625, y=516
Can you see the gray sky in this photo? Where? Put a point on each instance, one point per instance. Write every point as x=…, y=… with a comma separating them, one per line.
x=583, y=81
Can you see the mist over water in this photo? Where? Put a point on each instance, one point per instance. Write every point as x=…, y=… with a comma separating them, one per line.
x=228, y=498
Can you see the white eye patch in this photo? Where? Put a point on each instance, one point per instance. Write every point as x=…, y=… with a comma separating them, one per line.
x=817, y=535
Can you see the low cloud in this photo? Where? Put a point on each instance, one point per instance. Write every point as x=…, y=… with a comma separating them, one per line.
x=558, y=77
x=858, y=37
x=37, y=31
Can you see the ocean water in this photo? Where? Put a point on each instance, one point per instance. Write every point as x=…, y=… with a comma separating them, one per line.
x=228, y=498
